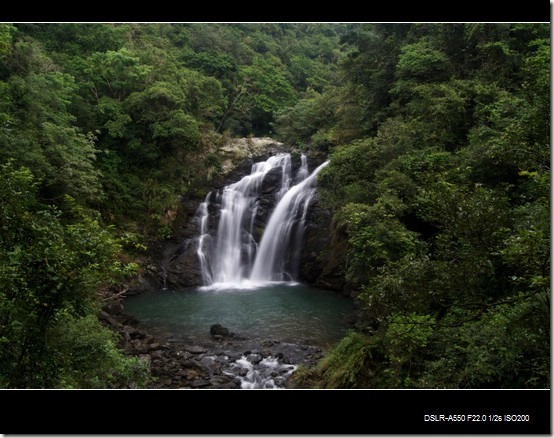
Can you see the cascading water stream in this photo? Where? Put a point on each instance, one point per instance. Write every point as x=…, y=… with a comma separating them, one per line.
x=279, y=241
x=227, y=257
x=231, y=257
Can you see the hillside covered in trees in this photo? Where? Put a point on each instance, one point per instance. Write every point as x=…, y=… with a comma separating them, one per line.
x=438, y=184
x=103, y=128
x=440, y=181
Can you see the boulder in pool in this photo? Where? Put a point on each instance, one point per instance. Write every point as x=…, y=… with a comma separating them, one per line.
x=219, y=330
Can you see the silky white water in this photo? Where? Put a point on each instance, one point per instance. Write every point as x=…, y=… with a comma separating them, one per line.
x=231, y=257
x=282, y=238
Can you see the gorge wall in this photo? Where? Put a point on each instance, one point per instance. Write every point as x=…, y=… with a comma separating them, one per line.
x=323, y=252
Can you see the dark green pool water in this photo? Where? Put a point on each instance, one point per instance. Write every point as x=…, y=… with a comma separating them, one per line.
x=283, y=311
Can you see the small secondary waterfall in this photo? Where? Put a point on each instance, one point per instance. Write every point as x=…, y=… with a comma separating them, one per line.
x=232, y=256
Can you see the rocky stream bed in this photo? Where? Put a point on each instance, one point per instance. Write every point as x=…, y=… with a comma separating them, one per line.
x=220, y=361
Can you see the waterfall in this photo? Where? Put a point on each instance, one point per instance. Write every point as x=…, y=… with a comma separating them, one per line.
x=279, y=240
x=231, y=257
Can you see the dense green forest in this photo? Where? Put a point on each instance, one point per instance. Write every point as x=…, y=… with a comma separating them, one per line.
x=103, y=127
x=440, y=181
x=438, y=136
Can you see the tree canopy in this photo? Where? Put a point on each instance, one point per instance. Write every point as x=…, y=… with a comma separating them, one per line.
x=439, y=180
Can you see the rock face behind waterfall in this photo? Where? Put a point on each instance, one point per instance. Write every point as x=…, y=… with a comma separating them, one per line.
x=323, y=257
x=179, y=267
x=247, y=150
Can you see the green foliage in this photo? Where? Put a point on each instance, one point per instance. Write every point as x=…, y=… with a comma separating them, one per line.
x=406, y=335
x=213, y=63
x=439, y=113
x=369, y=71
x=495, y=349
x=348, y=364
x=39, y=134
x=349, y=176
x=6, y=37
x=527, y=251
x=152, y=96
x=86, y=356
x=420, y=62
x=267, y=84
x=178, y=130
x=376, y=238
x=50, y=267
x=307, y=121
x=116, y=73
x=442, y=194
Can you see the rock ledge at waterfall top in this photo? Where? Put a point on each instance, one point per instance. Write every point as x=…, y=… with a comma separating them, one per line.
x=240, y=149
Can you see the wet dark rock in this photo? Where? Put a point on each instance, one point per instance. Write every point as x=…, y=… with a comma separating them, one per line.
x=281, y=356
x=156, y=354
x=215, y=368
x=272, y=181
x=323, y=259
x=224, y=384
x=233, y=357
x=193, y=365
x=255, y=358
x=172, y=364
x=147, y=359
x=181, y=354
x=199, y=383
x=183, y=268
x=126, y=319
x=134, y=332
x=108, y=319
x=145, y=282
x=196, y=349
x=192, y=374
x=113, y=308
x=219, y=330
x=140, y=347
x=205, y=365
